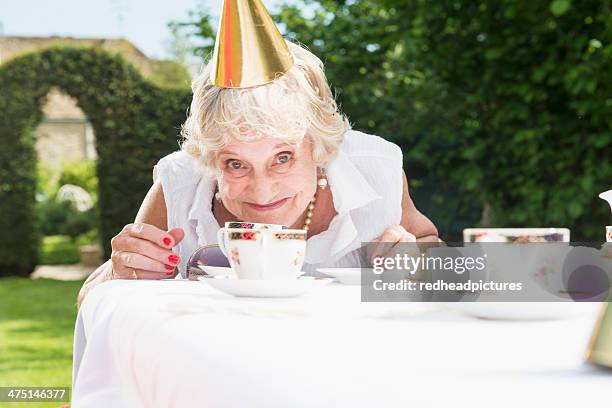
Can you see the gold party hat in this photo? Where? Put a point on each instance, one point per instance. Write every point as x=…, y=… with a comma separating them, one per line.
x=249, y=49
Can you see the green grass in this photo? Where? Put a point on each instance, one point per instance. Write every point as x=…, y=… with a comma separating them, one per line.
x=36, y=333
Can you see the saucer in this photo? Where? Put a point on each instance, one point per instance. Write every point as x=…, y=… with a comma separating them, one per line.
x=218, y=270
x=346, y=276
x=221, y=271
x=265, y=288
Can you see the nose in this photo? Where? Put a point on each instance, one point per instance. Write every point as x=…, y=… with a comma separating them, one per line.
x=263, y=189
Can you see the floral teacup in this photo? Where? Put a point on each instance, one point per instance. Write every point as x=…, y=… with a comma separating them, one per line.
x=264, y=253
x=253, y=225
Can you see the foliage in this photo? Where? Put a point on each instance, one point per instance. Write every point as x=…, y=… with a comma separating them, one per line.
x=52, y=215
x=169, y=74
x=503, y=104
x=135, y=124
x=59, y=250
x=59, y=217
x=64, y=249
x=80, y=173
x=78, y=223
x=200, y=26
x=46, y=182
x=90, y=237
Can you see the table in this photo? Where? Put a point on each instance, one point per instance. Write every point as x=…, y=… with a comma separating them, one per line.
x=183, y=344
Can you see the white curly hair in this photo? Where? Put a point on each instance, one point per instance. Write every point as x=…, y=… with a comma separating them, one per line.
x=297, y=105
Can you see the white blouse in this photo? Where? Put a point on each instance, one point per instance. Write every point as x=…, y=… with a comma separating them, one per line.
x=365, y=179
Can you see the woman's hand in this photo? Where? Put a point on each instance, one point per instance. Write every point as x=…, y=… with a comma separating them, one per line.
x=383, y=245
x=143, y=251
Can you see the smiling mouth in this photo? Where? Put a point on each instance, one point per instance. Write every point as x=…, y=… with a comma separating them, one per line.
x=268, y=207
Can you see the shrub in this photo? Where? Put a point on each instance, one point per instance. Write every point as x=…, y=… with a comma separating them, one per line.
x=135, y=124
x=59, y=250
x=78, y=223
x=46, y=182
x=52, y=216
x=82, y=174
x=90, y=237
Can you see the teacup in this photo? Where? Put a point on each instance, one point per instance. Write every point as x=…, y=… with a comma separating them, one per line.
x=253, y=225
x=264, y=253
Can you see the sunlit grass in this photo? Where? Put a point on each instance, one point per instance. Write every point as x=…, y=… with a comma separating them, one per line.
x=36, y=334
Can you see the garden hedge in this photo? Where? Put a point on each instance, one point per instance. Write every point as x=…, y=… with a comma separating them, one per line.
x=135, y=124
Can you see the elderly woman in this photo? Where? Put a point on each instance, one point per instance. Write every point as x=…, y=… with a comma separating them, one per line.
x=266, y=154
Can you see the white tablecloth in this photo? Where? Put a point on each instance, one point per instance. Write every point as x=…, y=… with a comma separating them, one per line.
x=182, y=344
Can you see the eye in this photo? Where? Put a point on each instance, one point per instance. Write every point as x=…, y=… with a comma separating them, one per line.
x=234, y=164
x=284, y=158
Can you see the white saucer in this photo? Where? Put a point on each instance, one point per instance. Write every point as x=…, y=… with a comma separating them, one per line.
x=265, y=288
x=218, y=270
x=221, y=271
x=347, y=276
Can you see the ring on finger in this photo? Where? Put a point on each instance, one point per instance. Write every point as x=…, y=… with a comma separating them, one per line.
x=134, y=274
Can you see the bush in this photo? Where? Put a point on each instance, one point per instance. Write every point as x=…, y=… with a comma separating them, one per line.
x=90, y=237
x=78, y=223
x=52, y=216
x=82, y=174
x=59, y=217
x=135, y=124
x=59, y=250
x=46, y=182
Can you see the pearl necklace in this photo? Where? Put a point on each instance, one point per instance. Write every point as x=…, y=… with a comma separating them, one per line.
x=308, y=219
x=321, y=183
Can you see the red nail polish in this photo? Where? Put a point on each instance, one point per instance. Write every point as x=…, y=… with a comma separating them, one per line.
x=167, y=241
x=173, y=258
x=169, y=267
x=170, y=273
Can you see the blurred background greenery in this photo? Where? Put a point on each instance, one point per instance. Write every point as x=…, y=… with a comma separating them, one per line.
x=503, y=108
x=64, y=227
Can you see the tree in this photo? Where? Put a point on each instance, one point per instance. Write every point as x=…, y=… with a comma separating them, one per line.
x=498, y=105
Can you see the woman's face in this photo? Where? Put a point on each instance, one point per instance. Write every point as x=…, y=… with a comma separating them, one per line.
x=266, y=181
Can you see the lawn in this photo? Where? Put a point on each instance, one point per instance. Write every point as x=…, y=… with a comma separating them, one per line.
x=36, y=332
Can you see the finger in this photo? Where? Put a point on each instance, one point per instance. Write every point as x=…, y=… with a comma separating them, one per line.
x=178, y=234
x=410, y=247
x=393, y=234
x=137, y=274
x=147, y=248
x=390, y=236
x=150, y=233
x=131, y=260
x=152, y=275
x=408, y=237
